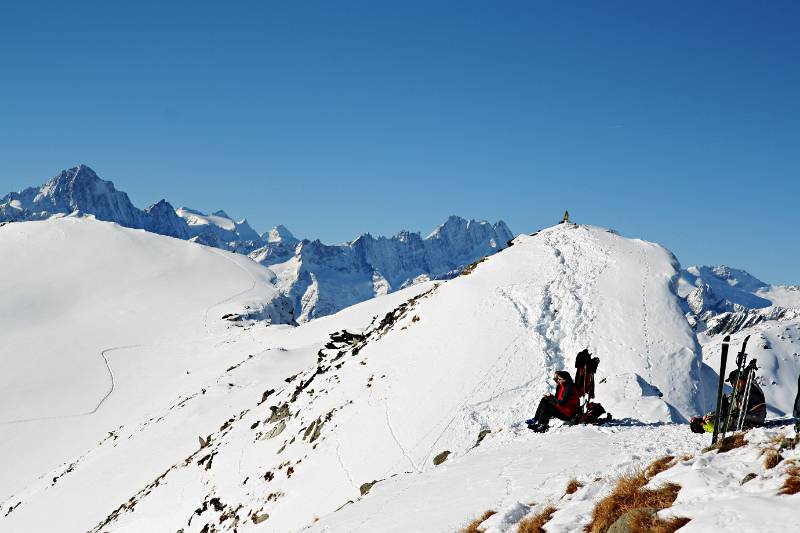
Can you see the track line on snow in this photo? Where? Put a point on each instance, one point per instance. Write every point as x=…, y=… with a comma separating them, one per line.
x=104, y=352
x=645, y=330
x=397, y=441
x=111, y=386
x=341, y=463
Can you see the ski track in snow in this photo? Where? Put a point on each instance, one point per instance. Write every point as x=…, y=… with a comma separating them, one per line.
x=106, y=351
x=397, y=441
x=104, y=354
x=341, y=463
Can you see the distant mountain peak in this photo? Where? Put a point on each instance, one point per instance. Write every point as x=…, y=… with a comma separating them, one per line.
x=279, y=233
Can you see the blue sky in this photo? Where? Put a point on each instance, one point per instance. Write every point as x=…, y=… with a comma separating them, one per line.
x=677, y=122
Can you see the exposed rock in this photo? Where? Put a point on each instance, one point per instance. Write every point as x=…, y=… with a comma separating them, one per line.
x=366, y=487
x=275, y=431
x=442, y=457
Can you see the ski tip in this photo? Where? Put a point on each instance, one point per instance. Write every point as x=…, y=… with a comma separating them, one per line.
x=726, y=339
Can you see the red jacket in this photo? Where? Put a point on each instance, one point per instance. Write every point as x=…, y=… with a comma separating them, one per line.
x=566, y=399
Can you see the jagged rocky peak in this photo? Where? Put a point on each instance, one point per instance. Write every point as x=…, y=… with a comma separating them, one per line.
x=279, y=233
x=77, y=189
x=327, y=278
x=161, y=218
x=457, y=230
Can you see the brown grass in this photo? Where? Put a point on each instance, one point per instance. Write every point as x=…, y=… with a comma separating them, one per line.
x=659, y=465
x=573, y=486
x=472, y=527
x=630, y=494
x=653, y=524
x=534, y=524
x=792, y=483
x=728, y=443
x=771, y=459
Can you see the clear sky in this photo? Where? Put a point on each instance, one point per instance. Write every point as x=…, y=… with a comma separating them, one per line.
x=677, y=122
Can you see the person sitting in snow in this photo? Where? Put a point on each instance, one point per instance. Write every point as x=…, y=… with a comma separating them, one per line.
x=755, y=414
x=562, y=405
x=756, y=410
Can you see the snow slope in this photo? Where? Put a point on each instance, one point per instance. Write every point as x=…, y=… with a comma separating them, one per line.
x=306, y=416
x=401, y=413
x=82, y=300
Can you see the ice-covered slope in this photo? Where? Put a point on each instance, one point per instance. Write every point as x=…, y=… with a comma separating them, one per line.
x=304, y=426
x=82, y=299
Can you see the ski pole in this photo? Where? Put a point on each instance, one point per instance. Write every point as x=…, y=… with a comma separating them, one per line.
x=740, y=359
x=723, y=360
x=751, y=372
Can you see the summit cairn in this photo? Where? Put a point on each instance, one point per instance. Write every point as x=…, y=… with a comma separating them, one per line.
x=565, y=218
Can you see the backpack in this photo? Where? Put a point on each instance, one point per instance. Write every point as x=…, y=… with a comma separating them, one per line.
x=591, y=415
x=585, y=369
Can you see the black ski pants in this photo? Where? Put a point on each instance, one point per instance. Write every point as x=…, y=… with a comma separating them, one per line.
x=547, y=410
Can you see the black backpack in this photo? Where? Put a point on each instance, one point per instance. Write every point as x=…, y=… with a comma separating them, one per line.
x=585, y=369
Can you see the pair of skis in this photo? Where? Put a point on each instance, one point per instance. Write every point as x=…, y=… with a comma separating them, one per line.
x=725, y=419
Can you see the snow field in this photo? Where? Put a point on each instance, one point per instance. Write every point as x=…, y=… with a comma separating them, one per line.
x=402, y=413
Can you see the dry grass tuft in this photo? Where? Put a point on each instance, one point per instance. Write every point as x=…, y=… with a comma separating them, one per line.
x=534, y=524
x=792, y=483
x=573, y=486
x=771, y=459
x=630, y=494
x=653, y=524
x=472, y=527
x=777, y=439
x=659, y=465
x=728, y=443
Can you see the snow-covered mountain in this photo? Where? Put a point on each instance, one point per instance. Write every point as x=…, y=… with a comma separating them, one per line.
x=319, y=279
x=726, y=300
x=322, y=279
x=386, y=401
